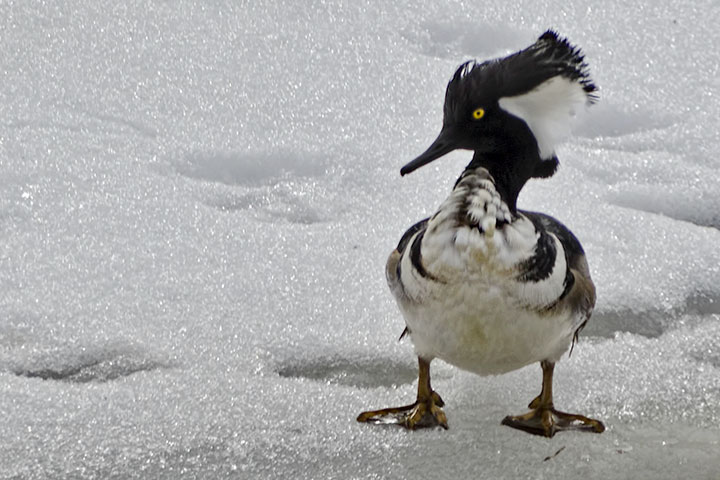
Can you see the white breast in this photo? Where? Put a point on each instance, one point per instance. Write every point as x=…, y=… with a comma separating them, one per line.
x=480, y=328
x=470, y=306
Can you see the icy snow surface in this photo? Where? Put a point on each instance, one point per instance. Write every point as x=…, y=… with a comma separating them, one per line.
x=197, y=200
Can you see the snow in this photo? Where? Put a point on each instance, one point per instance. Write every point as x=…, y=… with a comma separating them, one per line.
x=197, y=200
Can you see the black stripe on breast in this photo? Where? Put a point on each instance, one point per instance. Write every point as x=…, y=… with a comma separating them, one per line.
x=567, y=284
x=540, y=265
x=415, y=254
x=416, y=257
x=409, y=233
x=569, y=241
x=574, y=252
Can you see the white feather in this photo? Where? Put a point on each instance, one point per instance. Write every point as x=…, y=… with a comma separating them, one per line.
x=548, y=110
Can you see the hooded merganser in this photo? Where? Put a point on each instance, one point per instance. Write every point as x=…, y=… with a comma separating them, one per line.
x=481, y=284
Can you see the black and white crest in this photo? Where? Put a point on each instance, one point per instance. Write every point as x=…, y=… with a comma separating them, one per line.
x=544, y=85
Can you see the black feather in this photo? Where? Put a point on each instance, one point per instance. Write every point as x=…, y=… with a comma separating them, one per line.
x=484, y=83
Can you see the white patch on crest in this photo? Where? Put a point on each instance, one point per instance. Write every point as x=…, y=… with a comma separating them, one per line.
x=548, y=110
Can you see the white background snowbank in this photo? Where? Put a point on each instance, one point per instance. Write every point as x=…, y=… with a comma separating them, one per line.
x=197, y=200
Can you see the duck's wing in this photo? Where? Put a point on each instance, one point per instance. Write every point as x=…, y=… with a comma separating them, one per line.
x=579, y=291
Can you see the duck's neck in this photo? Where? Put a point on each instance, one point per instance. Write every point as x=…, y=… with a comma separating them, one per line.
x=509, y=170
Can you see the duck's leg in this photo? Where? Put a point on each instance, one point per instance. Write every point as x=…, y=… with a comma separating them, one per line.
x=425, y=412
x=543, y=419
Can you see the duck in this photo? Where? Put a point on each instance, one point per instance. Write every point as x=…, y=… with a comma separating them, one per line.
x=481, y=284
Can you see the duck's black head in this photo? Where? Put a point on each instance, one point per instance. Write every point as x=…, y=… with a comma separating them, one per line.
x=512, y=111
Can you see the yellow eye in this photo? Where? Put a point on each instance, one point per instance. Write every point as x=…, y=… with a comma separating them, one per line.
x=478, y=113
